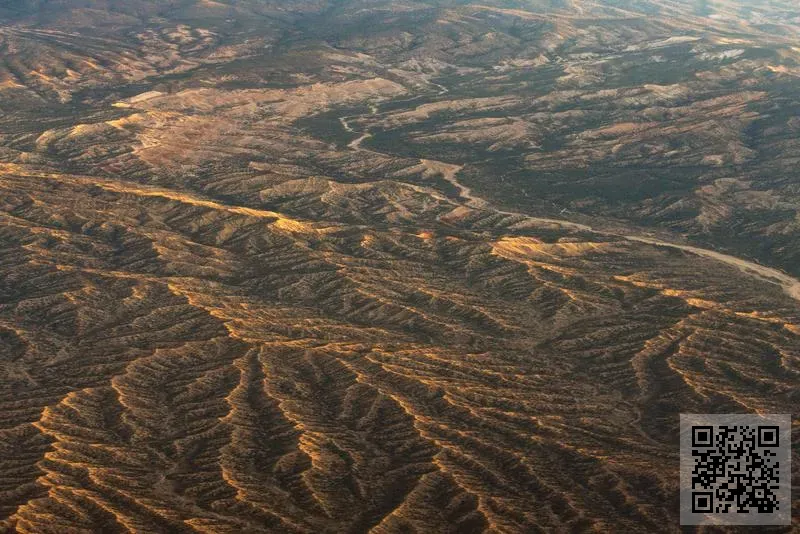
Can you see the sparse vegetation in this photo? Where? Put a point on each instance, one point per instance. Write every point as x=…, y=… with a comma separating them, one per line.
x=343, y=266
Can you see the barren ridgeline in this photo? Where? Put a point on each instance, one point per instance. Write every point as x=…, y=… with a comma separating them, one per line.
x=322, y=267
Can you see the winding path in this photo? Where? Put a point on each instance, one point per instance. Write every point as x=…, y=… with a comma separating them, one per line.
x=790, y=284
x=449, y=172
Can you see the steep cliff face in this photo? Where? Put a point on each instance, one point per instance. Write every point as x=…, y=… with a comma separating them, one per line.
x=386, y=267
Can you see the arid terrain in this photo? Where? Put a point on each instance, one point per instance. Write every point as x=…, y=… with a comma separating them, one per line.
x=337, y=266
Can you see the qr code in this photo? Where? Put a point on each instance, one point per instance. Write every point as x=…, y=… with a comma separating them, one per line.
x=735, y=469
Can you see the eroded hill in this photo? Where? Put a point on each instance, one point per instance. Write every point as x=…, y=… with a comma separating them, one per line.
x=396, y=267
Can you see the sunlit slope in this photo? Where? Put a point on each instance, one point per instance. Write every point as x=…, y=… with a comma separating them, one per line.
x=386, y=267
x=174, y=362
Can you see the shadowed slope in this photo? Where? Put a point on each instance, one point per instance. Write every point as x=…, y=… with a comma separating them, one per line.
x=255, y=275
